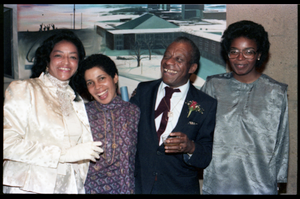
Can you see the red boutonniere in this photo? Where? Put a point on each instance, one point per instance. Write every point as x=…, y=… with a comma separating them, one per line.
x=194, y=106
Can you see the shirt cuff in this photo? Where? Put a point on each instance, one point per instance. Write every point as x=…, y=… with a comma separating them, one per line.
x=186, y=157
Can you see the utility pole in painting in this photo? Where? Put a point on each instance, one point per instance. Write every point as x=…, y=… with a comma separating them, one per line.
x=74, y=18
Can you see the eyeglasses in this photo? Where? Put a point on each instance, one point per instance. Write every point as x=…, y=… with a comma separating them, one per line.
x=247, y=53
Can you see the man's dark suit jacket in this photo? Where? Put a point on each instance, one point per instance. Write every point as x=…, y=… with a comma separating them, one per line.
x=176, y=174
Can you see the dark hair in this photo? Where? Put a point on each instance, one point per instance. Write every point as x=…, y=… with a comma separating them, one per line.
x=42, y=54
x=195, y=53
x=95, y=60
x=250, y=30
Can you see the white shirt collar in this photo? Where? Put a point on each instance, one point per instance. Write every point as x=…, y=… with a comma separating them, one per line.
x=177, y=102
x=184, y=88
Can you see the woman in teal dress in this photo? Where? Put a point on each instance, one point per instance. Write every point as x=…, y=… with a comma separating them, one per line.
x=251, y=138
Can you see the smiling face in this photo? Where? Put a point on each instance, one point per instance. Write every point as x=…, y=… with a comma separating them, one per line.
x=244, y=69
x=63, y=60
x=175, y=64
x=101, y=85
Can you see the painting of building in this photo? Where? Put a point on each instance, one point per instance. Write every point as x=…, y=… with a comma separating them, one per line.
x=190, y=11
x=146, y=28
x=149, y=28
x=135, y=36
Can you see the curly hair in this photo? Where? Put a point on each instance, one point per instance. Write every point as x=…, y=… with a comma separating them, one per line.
x=95, y=60
x=42, y=54
x=250, y=30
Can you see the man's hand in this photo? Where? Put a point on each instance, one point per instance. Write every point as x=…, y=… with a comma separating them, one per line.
x=180, y=143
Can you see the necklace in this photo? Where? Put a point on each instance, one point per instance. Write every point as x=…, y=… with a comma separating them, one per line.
x=170, y=112
x=114, y=145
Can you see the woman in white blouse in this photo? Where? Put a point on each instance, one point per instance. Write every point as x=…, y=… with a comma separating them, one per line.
x=47, y=142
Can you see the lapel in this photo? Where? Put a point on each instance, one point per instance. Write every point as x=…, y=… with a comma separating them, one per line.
x=81, y=113
x=149, y=121
x=150, y=111
x=183, y=119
